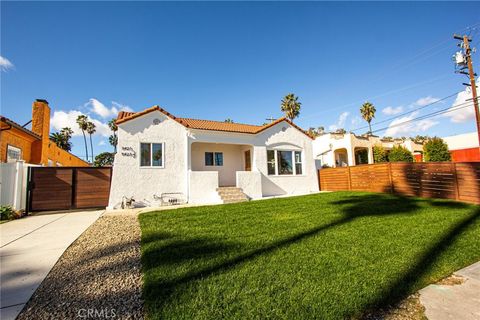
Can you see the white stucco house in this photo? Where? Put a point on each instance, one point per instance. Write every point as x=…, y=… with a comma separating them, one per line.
x=159, y=154
x=348, y=149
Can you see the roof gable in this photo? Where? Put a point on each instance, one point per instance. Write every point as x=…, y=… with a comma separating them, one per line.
x=124, y=116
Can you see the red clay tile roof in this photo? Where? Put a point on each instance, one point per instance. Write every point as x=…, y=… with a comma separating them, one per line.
x=124, y=116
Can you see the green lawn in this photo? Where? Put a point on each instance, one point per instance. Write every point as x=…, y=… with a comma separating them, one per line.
x=328, y=256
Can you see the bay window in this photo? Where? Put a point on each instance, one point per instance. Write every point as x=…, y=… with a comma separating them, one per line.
x=284, y=162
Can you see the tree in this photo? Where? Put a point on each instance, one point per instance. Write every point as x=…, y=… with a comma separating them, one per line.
x=380, y=154
x=104, y=159
x=400, y=153
x=59, y=140
x=320, y=130
x=82, y=121
x=435, y=149
x=340, y=131
x=113, y=139
x=91, y=130
x=228, y=120
x=62, y=138
x=368, y=113
x=420, y=139
x=291, y=106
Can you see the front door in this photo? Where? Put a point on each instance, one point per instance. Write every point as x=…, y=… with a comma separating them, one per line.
x=248, y=161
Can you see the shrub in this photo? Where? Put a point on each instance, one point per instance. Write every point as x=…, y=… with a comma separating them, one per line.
x=379, y=154
x=7, y=213
x=399, y=153
x=435, y=149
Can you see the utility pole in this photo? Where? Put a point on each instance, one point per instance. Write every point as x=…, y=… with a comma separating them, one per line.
x=468, y=57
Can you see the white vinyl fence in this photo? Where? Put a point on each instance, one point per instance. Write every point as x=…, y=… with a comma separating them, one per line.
x=13, y=184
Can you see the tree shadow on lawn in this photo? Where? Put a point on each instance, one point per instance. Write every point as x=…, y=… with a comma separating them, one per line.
x=409, y=282
x=173, y=252
x=158, y=292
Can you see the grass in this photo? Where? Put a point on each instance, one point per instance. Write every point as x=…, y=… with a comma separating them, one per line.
x=329, y=256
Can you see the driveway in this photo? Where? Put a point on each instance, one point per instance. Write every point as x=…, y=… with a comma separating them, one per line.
x=29, y=248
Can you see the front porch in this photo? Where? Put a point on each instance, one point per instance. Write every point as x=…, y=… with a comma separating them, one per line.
x=219, y=171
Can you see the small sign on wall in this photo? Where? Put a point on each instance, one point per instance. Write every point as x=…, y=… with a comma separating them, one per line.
x=128, y=152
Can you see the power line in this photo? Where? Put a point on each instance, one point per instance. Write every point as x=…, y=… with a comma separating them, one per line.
x=430, y=115
x=408, y=112
x=387, y=93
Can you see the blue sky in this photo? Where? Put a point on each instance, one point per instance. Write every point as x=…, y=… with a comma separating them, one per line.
x=218, y=60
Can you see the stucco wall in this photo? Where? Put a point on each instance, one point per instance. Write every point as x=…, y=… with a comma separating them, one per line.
x=203, y=187
x=232, y=160
x=130, y=179
x=251, y=183
x=16, y=138
x=282, y=137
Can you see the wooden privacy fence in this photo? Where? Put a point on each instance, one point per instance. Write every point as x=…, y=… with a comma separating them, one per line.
x=447, y=180
x=61, y=188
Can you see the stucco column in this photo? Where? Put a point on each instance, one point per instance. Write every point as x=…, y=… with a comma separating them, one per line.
x=370, y=155
x=350, y=156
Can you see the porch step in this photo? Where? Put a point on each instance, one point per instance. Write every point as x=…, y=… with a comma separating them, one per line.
x=232, y=194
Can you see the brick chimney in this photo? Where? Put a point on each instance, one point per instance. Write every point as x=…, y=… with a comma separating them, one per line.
x=41, y=126
x=41, y=117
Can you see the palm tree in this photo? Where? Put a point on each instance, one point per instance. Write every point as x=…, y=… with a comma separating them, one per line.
x=113, y=138
x=91, y=130
x=368, y=113
x=67, y=132
x=61, y=141
x=291, y=106
x=82, y=121
x=228, y=120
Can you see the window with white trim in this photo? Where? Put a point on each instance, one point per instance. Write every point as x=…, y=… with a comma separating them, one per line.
x=13, y=153
x=151, y=155
x=284, y=162
x=214, y=159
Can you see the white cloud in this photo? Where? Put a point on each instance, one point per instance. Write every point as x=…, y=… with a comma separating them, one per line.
x=102, y=143
x=389, y=111
x=425, y=100
x=465, y=112
x=340, y=122
x=356, y=121
x=5, y=64
x=396, y=129
x=61, y=119
x=103, y=111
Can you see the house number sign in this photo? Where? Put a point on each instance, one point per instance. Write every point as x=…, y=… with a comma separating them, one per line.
x=128, y=152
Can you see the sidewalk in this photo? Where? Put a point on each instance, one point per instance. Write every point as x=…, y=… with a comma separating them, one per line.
x=29, y=248
x=457, y=301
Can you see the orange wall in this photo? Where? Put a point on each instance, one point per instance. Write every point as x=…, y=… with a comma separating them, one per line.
x=465, y=155
x=63, y=157
x=16, y=138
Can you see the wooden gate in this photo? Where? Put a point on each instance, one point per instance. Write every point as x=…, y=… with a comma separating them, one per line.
x=63, y=188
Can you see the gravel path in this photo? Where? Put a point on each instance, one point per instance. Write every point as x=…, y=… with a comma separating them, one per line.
x=98, y=276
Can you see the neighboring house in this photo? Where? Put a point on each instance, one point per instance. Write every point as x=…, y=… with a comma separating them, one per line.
x=463, y=147
x=33, y=146
x=340, y=150
x=159, y=153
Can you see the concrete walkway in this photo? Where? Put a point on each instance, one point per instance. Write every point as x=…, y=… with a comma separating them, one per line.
x=458, y=301
x=29, y=248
